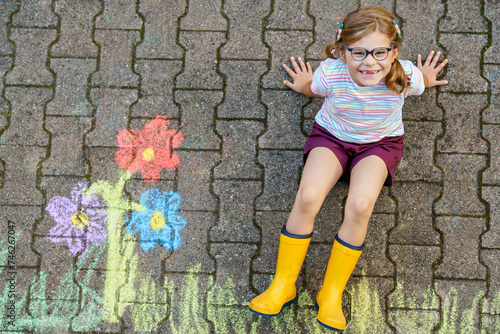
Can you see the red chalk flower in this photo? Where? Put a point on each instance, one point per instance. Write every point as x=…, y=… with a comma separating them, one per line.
x=149, y=150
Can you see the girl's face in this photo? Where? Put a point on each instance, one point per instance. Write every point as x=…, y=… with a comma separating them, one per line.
x=369, y=72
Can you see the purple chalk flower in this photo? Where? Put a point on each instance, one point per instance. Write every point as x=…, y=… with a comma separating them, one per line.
x=80, y=221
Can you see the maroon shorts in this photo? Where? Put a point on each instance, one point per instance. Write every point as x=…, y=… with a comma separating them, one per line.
x=389, y=149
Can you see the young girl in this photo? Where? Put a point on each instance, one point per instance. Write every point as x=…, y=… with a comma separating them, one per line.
x=358, y=131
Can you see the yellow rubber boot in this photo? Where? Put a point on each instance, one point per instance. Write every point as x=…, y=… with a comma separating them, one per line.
x=282, y=291
x=342, y=261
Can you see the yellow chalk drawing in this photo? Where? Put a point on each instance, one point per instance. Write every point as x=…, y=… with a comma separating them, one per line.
x=148, y=154
x=454, y=318
x=80, y=219
x=157, y=221
x=119, y=252
x=187, y=316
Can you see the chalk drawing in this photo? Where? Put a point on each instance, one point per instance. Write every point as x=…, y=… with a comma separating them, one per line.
x=80, y=220
x=160, y=222
x=149, y=150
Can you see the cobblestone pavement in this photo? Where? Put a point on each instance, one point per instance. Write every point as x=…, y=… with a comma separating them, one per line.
x=149, y=155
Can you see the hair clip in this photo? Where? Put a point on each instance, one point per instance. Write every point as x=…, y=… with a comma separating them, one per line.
x=397, y=27
x=340, y=31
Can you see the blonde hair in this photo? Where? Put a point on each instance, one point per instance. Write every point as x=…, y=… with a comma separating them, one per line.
x=365, y=21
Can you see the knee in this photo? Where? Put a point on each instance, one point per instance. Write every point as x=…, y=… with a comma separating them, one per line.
x=309, y=197
x=360, y=208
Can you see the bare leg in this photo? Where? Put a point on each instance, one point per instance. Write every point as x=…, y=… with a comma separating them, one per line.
x=321, y=172
x=367, y=180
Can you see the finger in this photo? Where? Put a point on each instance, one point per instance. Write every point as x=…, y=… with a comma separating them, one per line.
x=302, y=65
x=288, y=84
x=294, y=64
x=289, y=70
x=419, y=61
x=436, y=58
x=429, y=58
x=309, y=67
x=441, y=83
x=442, y=65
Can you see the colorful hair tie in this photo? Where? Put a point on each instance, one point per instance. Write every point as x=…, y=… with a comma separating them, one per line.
x=340, y=31
x=397, y=27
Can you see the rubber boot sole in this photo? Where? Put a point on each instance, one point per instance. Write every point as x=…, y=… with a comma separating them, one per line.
x=290, y=302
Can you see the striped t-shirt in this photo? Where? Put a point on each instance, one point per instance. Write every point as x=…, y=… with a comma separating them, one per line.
x=358, y=114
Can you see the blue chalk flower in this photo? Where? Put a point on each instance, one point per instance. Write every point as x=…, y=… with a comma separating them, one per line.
x=159, y=222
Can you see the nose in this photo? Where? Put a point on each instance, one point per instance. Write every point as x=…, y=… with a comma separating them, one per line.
x=369, y=60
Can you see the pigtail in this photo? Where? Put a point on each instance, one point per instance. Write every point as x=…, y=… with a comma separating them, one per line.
x=397, y=80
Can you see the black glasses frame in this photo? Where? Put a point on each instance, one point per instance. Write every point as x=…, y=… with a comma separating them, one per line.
x=370, y=52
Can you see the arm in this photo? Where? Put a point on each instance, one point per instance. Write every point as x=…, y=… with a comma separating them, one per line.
x=430, y=70
x=302, y=77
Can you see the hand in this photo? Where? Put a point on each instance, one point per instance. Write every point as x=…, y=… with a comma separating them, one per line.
x=302, y=77
x=430, y=70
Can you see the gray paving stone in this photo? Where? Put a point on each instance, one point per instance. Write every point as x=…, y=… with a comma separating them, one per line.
x=193, y=251
x=281, y=175
x=66, y=151
x=30, y=63
x=112, y=113
x=5, y=64
x=315, y=266
x=160, y=29
x=242, y=97
x=385, y=203
x=245, y=29
x=462, y=132
x=35, y=14
x=238, y=149
x=285, y=44
x=491, y=239
x=311, y=109
x=270, y=224
x=327, y=19
x=307, y=319
x=289, y=15
x=367, y=295
x=420, y=19
x=382, y=3
x=7, y=7
x=415, y=216
x=195, y=178
x=423, y=107
x=460, y=184
x=236, y=211
x=492, y=113
x=412, y=290
x=20, y=175
x=463, y=16
x=203, y=15
x=198, y=118
x=418, y=321
x=194, y=289
x=102, y=163
x=119, y=14
x=156, y=88
x=460, y=247
x=417, y=163
x=22, y=220
x=25, y=123
x=374, y=261
x=491, y=174
x=492, y=12
x=116, y=52
x=57, y=260
x=232, y=263
x=491, y=258
x=200, y=72
x=460, y=305
x=464, y=76
x=71, y=91
x=284, y=114
x=75, y=33
x=490, y=323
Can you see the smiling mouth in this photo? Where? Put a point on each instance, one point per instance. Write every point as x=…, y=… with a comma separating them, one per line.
x=370, y=72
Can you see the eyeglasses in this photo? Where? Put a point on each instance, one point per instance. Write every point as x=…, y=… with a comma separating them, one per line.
x=378, y=54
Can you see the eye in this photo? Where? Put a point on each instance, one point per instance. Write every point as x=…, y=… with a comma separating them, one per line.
x=358, y=52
